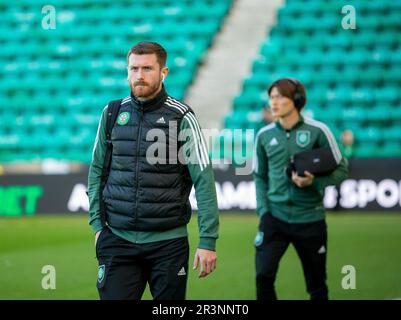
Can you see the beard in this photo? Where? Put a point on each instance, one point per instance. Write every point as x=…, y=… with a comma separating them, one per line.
x=142, y=89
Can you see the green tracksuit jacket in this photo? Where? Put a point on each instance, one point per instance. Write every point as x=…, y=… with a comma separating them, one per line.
x=275, y=191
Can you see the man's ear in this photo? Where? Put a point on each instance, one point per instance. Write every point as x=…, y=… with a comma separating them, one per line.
x=164, y=73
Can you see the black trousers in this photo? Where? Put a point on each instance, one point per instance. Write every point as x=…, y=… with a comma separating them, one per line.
x=310, y=242
x=125, y=268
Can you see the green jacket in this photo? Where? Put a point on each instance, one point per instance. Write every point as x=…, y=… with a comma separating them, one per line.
x=202, y=176
x=275, y=191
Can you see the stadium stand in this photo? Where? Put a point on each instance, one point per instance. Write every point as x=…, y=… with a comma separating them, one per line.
x=54, y=83
x=352, y=76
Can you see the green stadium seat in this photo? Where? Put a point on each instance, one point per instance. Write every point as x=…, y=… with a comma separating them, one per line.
x=74, y=70
x=235, y=120
x=391, y=149
x=352, y=78
x=367, y=150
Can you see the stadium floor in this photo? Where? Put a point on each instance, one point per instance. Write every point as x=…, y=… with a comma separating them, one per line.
x=369, y=242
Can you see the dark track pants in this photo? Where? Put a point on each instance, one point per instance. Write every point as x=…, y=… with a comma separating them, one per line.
x=310, y=242
x=125, y=268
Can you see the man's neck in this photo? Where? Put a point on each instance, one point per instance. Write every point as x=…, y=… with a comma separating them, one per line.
x=289, y=120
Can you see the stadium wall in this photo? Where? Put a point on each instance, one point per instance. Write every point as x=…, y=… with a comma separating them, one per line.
x=373, y=184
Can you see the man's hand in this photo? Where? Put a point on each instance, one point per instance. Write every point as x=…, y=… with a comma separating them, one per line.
x=97, y=236
x=208, y=261
x=303, y=182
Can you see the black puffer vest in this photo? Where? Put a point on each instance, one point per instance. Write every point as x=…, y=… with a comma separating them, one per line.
x=140, y=195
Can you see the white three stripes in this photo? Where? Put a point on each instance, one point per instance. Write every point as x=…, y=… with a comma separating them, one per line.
x=126, y=100
x=332, y=141
x=255, y=157
x=200, y=147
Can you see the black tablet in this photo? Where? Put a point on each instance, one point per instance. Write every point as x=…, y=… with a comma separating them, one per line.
x=317, y=161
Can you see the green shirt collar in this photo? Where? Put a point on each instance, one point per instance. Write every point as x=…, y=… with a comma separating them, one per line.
x=297, y=125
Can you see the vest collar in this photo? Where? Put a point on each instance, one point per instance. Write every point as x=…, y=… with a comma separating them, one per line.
x=151, y=104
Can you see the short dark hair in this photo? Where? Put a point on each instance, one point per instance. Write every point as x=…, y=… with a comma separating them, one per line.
x=146, y=47
x=292, y=89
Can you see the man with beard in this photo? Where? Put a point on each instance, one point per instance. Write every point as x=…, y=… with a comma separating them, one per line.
x=139, y=205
